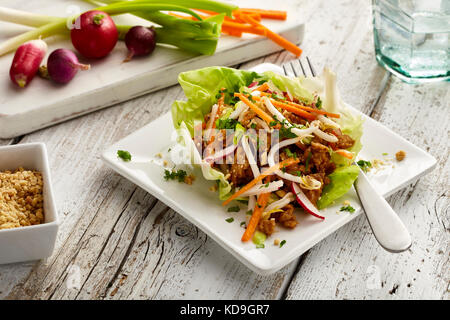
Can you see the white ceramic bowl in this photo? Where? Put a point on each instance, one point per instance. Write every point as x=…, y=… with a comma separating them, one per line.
x=37, y=241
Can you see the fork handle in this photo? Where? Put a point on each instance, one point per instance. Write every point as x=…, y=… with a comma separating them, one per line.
x=386, y=226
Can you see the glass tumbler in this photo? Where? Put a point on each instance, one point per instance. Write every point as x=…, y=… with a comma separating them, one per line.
x=412, y=38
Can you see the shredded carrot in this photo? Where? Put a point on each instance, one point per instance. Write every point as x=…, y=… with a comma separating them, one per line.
x=256, y=216
x=332, y=115
x=345, y=153
x=286, y=44
x=289, y=108
x=263, y=13
x=263, y=87
x=285, y=163
x=255, y=108
x=293, y=109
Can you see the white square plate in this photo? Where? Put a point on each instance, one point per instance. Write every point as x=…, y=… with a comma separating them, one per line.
x=203, y=208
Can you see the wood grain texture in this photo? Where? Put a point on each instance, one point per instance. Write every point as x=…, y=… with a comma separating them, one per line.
x=118, y=242
x=345, y=264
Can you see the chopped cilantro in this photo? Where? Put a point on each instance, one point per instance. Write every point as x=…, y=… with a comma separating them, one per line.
x=282, y=243
x=290, y=154
x=319, y=103
x=348, y=208
x=175, y=175
x=260, y=82
x=308, y=157
x=286, y=133
x=273, y=123
x=364, y=165
x=226, y=124
x=298, y=173
x=234, y=209
x=242, y=223
x=229, y=220
x=124, y=155
x=253, y=125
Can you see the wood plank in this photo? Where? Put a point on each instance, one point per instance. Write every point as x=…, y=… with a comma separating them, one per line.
x=344, y=264
x=126, y=245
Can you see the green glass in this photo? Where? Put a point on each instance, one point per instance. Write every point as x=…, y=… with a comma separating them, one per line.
x=412, y=38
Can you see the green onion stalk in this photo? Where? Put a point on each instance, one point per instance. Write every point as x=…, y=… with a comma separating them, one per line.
x=198, y=36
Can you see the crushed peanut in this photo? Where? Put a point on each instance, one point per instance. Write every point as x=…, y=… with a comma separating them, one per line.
x=400, y=155
x=21, y=198
x=276, y=241
x=189, y=179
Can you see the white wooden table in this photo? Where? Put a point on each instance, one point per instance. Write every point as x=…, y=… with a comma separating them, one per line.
x=118, y=242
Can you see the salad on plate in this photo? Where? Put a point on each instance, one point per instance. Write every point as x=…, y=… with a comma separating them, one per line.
x=280, y=145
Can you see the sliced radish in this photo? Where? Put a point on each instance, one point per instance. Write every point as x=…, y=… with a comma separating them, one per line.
x=304, y=201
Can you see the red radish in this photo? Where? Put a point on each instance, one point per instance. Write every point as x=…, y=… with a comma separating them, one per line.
x=26, y=62
x=96, y=36
x=63, y=65
x=251, y=85
x=304, y=201
x=140, y=41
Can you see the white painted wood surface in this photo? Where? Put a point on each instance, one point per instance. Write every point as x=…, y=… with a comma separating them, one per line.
x=117, y=242
x=110, y=81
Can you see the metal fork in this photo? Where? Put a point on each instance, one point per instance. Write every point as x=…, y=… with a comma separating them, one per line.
x=388, y=229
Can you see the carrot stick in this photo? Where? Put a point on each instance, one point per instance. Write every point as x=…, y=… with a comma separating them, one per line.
x=285, y=163
x=254, y=15
x=256, y=216
x=231, y=32
x=269, y=14
x=242, y=27
x=345, y=153
x=273, y=36
x=255, y=108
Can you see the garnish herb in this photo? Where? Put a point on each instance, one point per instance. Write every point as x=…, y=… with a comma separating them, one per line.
x=229, y=220
x=282, y=243
x=364, y=165
x=234, y=209
x=308, y=157
x=242, y=223
x=253, y=125
x=319, y=103
x=249, y=212
x=290, y=154
x=385, y=153
x=348, y=208
x=124, y=155
x=226, y=124
x=175, y=175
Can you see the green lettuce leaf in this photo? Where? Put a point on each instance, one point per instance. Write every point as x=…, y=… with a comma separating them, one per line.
x=341, y=181
x=201, y=87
